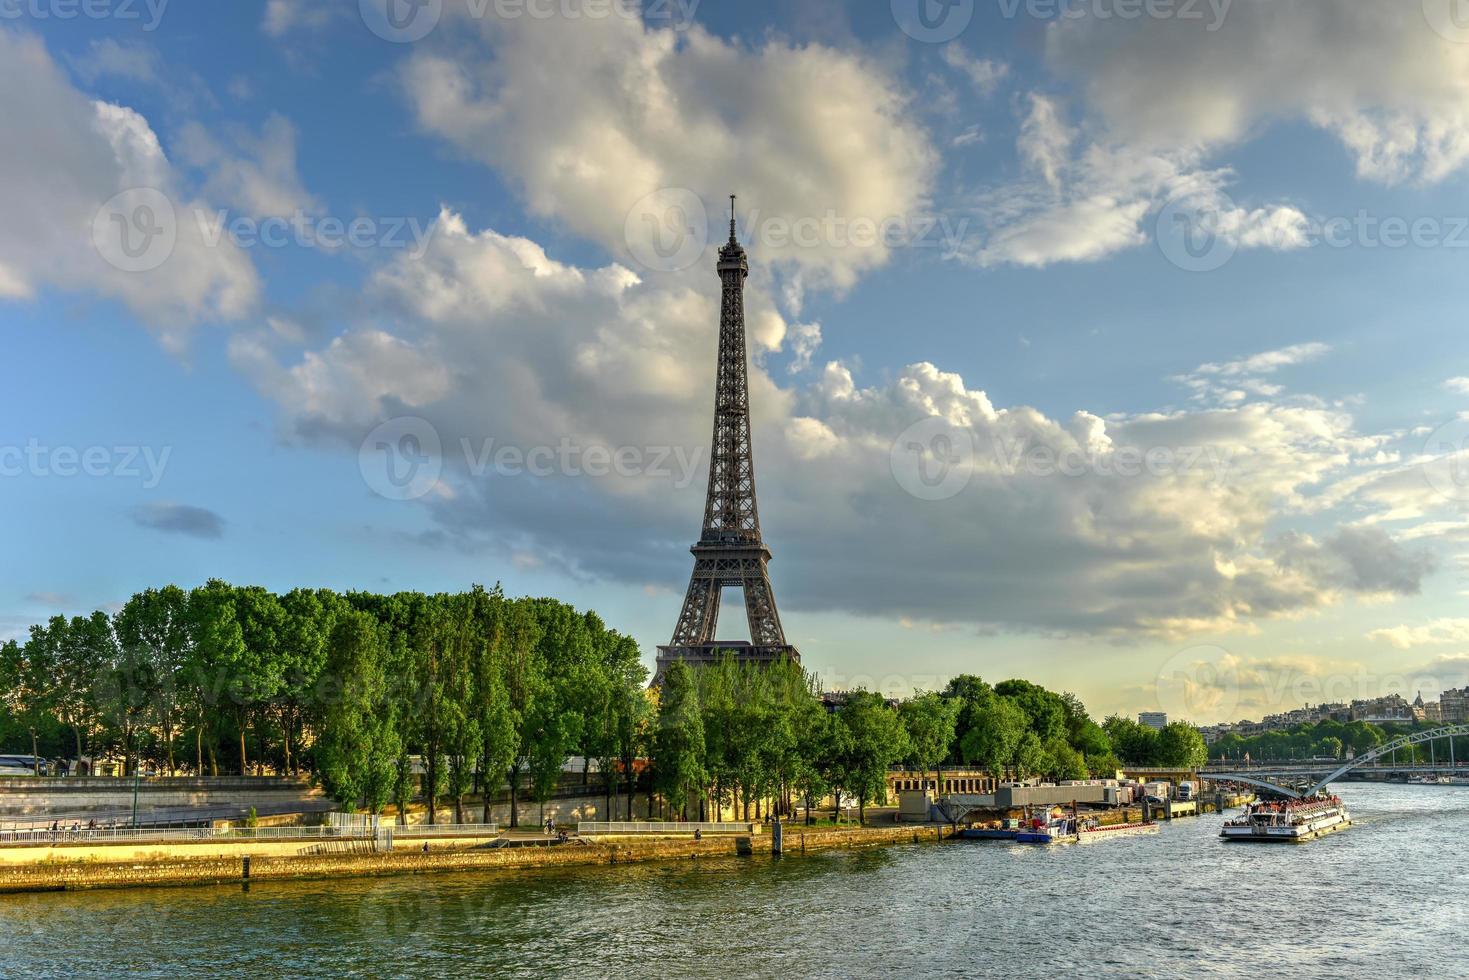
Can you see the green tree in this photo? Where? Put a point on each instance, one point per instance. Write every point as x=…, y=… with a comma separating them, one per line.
x=930, y=721
x=59, y=673
x=493, y=711
x=678, y=755
x=1136, y=745
x=875, y=740
x=253, y=670
x=359, y=745
x=309, y=616
x=1044, y=709
x=1064, y=762
x=1180, y=746
x=216, y=642
x=1030, y=755
x=972, y=695
x=154, y=634
x=994, y=735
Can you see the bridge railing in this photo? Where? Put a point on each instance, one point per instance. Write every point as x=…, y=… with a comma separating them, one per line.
x=1332, y=772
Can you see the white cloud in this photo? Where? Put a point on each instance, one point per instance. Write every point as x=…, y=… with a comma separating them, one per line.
x=983, y=74
x=1084, y=203
x=284, y=16
x=493, y=339
x=1267, y=362
x=1391, y=89
x=1045, y=140
x=805, y=340
x=1439, y=631
x=588, y=116
x=109, y=57
x=256, y=174
x=68, y=157
x=1459, y=386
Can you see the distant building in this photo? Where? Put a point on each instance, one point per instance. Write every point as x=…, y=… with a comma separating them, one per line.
x=1156, y=720
x=1393, y=709
x=1454, y=706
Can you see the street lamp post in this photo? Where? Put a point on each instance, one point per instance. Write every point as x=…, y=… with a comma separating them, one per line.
x=35, y=754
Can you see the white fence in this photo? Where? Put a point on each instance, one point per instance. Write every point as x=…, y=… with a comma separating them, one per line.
x=664, y=829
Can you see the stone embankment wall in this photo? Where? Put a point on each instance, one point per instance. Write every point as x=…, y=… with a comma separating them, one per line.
x=81, y=852
x=168, y=867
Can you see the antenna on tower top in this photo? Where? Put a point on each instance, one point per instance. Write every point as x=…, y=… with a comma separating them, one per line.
x=731, y=217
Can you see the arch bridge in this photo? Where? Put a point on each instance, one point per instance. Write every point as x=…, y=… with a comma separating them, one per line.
x=1279, y=779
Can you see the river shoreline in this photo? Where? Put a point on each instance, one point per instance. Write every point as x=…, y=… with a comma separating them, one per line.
x=168, y=867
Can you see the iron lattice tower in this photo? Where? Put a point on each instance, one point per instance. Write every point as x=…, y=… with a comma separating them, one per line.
x=730, y=551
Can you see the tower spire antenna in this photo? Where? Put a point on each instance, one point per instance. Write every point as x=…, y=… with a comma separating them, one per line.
x=732, y=217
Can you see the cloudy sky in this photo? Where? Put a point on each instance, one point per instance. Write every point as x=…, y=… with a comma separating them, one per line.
x=1118, y=347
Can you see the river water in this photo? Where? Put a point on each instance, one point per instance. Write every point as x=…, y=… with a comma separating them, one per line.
x=1388, y=897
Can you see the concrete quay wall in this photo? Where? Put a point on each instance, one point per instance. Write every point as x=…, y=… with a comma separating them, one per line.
x=175, y=865
x=64, y=853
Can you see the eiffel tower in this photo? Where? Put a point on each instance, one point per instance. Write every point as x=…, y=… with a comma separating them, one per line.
x=729, y=551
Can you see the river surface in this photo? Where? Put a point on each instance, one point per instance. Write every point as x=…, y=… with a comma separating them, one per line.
x=1388, y=897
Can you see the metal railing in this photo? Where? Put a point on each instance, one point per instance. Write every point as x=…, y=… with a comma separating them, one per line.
x=668, y=829
x=125, y=835
x=445, y=830
x=92, y=783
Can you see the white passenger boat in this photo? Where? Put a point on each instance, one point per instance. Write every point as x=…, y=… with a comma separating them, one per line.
x=1288, y=821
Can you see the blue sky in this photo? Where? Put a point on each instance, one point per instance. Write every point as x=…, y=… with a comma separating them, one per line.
x=505, y=170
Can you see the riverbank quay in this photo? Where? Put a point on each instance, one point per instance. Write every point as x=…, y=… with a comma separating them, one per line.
x=1112, y=816
x=183, y=864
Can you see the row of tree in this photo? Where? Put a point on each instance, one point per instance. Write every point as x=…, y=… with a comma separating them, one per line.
x=1328, y=739
x=731, y=734
x=388, y=698
x=380, y=696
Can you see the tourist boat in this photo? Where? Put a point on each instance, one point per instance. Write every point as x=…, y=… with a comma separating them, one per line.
x=1428, y=779
x=1289, y=821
